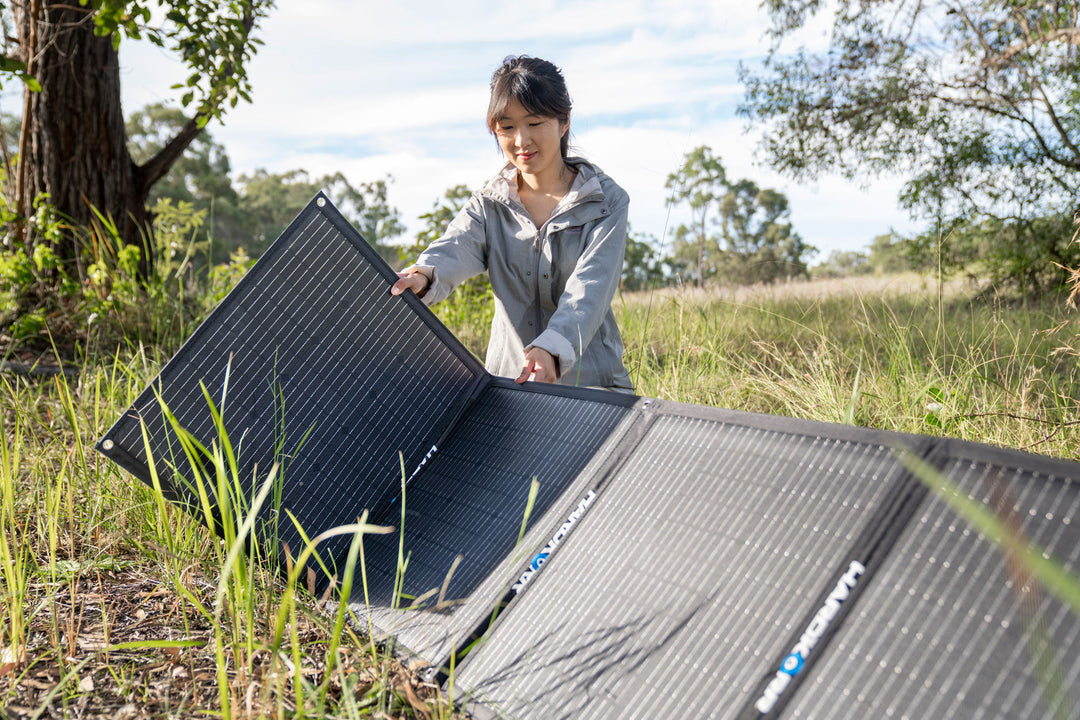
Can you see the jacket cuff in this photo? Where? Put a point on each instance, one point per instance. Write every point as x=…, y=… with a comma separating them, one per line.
x=558, y=346
x=431, y=294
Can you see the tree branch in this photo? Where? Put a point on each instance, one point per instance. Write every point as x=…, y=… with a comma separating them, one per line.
x=22, y=180
x=1014, y=114
x=156, y=167
x=1070, y=36
x=1062, y=132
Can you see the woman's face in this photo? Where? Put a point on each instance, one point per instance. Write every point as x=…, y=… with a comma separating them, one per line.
x=530, y=142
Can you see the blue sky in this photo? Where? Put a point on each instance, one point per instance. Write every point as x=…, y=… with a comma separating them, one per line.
x=376, y=89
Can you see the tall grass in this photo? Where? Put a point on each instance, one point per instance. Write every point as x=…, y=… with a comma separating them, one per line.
x=110, y=597
x=879, y=352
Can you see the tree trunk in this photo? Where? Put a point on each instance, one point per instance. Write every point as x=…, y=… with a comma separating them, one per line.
x=73, y=145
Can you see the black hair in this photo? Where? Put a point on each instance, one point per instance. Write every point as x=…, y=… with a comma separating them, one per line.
x=537, y=84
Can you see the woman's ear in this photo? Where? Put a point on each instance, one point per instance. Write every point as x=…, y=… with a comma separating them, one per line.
x=565, y=126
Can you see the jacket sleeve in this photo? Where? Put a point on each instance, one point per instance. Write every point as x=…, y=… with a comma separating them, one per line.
x=589, y=290
x=458, y=255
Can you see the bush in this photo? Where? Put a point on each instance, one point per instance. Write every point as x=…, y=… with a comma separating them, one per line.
x=106, y=302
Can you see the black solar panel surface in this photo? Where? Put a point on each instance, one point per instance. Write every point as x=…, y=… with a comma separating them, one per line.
x=470, y=500
x=679, y=590
x=315, y=349
x=948, y=628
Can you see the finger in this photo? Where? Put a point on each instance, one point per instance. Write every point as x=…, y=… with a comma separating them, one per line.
x=543, y=365
x=544, y=374
x=530, y=367
x=409, y=281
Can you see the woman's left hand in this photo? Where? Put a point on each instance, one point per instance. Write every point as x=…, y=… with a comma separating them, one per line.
x=541, y=365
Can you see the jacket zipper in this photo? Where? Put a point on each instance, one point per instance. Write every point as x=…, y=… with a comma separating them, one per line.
x=538, y=244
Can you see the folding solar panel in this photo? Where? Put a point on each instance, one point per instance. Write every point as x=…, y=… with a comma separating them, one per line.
x=702, y=553
x=314, y=366
x=675, y=560
x=311, y=366
x=951, y=627
x=465, y=510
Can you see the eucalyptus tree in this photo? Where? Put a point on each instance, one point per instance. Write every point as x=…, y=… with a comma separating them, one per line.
x=72, y=145
x=699, y=184
x=269, y=202
x=761, y=245
x=738, y=231
x=201, y=177
x=974, y=102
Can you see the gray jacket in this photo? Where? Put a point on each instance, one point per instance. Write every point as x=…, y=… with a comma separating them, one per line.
x=553, y=285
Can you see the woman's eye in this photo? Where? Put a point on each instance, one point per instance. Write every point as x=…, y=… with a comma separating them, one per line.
x=535, y=124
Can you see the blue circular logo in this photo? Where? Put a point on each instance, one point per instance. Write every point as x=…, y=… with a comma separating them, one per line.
x=539, y=560
x=793, y=664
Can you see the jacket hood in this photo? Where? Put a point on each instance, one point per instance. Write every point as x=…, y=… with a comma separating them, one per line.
x=503, y=187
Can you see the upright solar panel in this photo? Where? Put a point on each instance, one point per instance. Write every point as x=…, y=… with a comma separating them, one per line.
x=322, y=370
x=313, y=365
x=677, y=560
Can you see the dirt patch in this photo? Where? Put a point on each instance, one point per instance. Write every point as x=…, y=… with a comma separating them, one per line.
x=124, y=646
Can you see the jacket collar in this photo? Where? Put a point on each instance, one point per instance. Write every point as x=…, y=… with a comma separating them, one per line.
x=586, y=187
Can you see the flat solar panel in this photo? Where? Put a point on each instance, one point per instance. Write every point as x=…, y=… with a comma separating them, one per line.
x=691, y=572
x=952, y=628
x=678, y=561
x=466, y=509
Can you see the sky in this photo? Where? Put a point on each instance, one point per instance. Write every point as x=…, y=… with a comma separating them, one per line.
x=400, y=90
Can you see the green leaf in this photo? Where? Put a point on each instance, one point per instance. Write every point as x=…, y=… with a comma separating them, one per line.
x=9, y=64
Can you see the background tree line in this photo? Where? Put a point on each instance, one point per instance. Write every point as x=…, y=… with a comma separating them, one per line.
x=251, y=213
x=973, y=102
x=745, y=229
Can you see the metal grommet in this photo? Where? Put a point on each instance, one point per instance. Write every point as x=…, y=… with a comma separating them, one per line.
x=321, y=202
x=106, y=444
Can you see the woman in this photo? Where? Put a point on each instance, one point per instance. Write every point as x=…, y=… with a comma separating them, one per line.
x=550, y=231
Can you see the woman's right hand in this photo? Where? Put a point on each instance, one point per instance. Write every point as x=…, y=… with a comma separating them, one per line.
x=415, y=281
